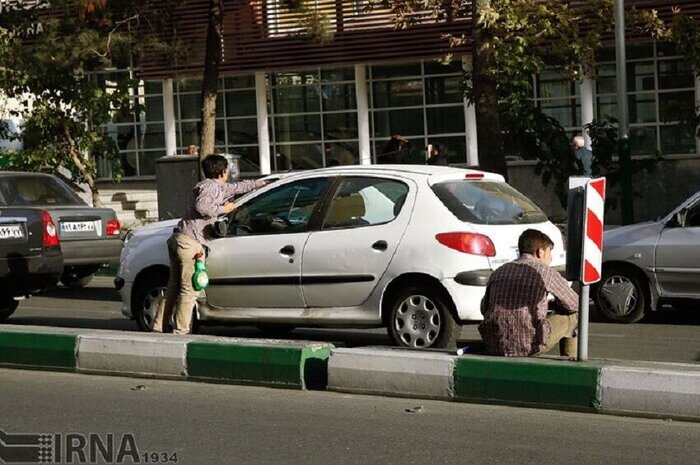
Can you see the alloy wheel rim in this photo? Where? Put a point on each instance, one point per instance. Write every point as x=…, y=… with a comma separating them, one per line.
x=417, y=321
x=150, y=305
x=619, y=295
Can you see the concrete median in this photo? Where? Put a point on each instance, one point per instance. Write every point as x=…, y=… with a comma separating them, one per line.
x=290, y=364
x=395, y=371
x=667, y=390
x=652, y=389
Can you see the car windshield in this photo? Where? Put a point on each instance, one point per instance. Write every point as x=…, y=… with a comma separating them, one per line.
x=487, y=202
x=36, y=190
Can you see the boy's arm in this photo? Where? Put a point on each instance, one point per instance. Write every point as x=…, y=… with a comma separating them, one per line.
x=565, y=298
x=241, y=187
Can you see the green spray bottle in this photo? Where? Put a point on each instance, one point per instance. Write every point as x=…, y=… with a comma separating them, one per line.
x=200, y=278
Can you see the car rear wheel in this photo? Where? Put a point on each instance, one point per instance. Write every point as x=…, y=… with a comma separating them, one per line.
x=8, y=305
x=420, y=317
x=148, y=295
x=620, y=296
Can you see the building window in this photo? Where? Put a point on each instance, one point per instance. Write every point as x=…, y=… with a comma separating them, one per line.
x=236, y=118
x=422, y=101
x=559, y=97
x=313, y=118
x=139, y=133
x=660, y=88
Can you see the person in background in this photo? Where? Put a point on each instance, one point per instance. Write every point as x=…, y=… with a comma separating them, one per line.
x=395, y=150
x=519, y=296
x=192, y=149
x=209, y=200
x=583, y=155
x=436, y=154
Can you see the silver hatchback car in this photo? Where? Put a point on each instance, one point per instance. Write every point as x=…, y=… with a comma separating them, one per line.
x=648, y=264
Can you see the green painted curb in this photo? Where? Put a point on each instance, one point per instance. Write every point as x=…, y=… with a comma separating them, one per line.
x=37, y=350
x=293, y=366
x=527, y=381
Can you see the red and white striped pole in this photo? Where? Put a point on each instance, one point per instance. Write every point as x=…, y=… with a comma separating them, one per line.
x=591, y=254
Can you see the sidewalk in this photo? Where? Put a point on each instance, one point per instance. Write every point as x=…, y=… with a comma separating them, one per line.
x=650, y=389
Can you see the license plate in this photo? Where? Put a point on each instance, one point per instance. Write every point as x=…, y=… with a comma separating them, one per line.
x=78, y=226
x=13, y=231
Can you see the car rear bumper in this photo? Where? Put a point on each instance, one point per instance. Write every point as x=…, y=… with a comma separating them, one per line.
x=467, y=299
x=27, y=275
x=91, y=251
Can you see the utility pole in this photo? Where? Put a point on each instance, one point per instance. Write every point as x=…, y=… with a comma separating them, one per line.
x=625, y=158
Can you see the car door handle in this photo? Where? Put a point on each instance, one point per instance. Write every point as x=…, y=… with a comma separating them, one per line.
x=287, y=250
x=380, y=245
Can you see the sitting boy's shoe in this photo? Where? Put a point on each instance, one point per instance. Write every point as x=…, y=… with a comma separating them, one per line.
x=568, y=347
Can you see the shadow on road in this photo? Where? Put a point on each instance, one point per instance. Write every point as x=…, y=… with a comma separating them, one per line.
x=105, y=294
x=117, y=324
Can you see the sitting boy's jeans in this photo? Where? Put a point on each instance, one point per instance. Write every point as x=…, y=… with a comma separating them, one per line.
x=562, y=331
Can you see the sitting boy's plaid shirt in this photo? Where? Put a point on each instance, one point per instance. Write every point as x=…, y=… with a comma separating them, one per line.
x=515, y=306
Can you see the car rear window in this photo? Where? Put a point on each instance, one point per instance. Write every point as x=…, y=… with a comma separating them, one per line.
x=487, y=202
x=36, y=190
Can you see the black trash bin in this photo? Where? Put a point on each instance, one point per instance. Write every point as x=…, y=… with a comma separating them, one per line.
x=176, y=175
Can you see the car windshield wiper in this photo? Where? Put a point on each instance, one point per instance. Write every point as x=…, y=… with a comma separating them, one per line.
x=526, y=213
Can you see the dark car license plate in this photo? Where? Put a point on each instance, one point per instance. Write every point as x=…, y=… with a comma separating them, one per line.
x=11, y=231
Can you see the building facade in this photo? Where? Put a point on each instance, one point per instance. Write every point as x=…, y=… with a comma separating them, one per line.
x=286, y=102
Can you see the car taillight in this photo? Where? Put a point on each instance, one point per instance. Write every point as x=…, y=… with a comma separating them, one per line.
x=48, y=227
x=113, y=227
x=471, y=243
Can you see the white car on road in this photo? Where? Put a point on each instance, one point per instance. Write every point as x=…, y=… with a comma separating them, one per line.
x=401, y=246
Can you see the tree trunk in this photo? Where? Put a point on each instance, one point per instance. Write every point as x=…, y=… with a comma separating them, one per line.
x=76, y=157
x=210, y=80
x=488, y=123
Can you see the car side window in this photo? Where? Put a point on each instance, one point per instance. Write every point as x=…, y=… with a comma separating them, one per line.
x=692, y=218
x=365, y=201
x=286, y=209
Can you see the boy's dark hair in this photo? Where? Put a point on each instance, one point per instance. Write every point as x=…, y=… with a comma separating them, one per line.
x=531, y=240
x=214, y=166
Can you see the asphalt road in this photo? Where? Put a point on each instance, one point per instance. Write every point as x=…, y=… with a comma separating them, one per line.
x=664, y=336
x=210, y=423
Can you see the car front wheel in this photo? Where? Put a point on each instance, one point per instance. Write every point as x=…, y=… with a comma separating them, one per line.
x=148, y=295
x=620, y=296
x=419, y=318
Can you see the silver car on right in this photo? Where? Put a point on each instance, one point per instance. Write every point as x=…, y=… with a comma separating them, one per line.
x=649, y=264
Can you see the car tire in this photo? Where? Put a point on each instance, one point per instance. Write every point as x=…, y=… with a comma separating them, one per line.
x=8, y=305
x=76, y=283
x=146, y=298
x=620, y=296
x=420, y=317
x=78, y=276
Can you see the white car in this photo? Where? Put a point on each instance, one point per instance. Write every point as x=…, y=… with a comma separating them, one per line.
x=401, y=246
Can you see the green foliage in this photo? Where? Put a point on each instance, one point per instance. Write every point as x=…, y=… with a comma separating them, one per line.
x=605, y=143
x=53, y=75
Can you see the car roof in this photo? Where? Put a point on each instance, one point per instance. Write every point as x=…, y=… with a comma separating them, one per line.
x=436, y=173
x=23, y=173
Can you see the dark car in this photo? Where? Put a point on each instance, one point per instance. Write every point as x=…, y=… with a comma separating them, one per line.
x=90, y=237
x=30, y=255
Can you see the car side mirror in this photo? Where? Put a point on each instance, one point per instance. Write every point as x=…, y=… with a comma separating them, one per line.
x=220, y=228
